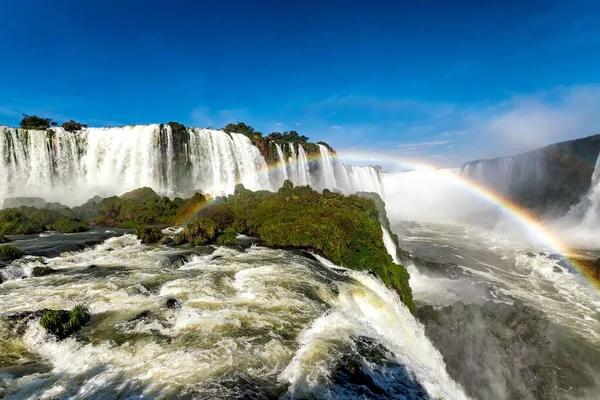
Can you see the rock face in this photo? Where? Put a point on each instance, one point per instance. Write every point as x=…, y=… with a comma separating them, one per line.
x=496, y=351
x=546, y=181
x=16, y=202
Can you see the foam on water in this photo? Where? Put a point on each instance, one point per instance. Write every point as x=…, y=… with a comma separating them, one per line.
x=247, y=322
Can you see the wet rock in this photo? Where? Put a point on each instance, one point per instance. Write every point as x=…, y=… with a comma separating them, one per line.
x=216, y=257
x=173, y=303
x=555, y=256
x=93, y=266
x=556, y=268
x=41, y=271
x=494, y=350
x=368, y=370
x=18, y=321
x=433, y=268
x=530, y=254
x=177, y=260
x=143, y=316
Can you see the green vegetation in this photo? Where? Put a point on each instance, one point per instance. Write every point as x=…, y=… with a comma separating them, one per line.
x=227, y=238
x=63, y=323
x=344, y=229
x=31, y=220
x=9, y=253
x=266, y=144
x=70, y=225
x=72, y=126
x=14, y=222
x=148, y=234
x=35, y=122
x=143, y=207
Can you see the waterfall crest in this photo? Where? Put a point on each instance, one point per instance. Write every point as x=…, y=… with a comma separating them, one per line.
x=71, y=167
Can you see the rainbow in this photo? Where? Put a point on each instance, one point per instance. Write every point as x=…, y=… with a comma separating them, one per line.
x=519, y=214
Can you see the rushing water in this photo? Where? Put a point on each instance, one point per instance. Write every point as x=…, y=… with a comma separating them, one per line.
x=257, y=322
x=72, y=167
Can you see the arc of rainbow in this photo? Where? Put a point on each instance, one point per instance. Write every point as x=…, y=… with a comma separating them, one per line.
x=519, y=214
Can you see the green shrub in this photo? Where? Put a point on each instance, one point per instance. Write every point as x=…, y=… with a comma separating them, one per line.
x=35, y=122
x=200, y=231
x=8, y=252
x=148, y=234
x=227, y=238
x=63, y=323
x=70, y=225
x=72, y=126
x=14, y=222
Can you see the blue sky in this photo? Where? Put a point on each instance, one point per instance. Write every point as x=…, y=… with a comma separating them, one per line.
x=443, y=81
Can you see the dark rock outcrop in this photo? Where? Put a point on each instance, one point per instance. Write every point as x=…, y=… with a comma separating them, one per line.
x=494, y=350
x=173, y=303
x=547, y=181
x=42, y=271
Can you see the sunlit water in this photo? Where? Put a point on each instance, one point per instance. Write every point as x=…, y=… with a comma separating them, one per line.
x=253, y=323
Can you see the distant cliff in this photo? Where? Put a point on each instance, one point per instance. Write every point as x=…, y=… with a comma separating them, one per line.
x=546, y=181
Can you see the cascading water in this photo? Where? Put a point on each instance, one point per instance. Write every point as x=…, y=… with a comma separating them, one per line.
x=327, y=168
x=219, y=161
x=72, y=167
x=283, y=174
x=259, y=323
x=303, y=170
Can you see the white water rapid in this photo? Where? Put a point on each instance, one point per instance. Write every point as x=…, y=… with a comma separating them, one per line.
x=258, y=323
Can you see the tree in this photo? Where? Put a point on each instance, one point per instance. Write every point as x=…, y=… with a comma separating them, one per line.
x=72, y=126
x=35, y=122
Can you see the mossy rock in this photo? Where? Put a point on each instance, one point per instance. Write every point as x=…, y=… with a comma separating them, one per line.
x=9, y=253
x=63, y=323
x=227, y=238
x=41, y=271
x=148, y=234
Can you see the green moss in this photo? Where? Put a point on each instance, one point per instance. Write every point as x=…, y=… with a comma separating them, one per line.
x=148, y=234
x=63, y=323
x=8, y=252
x=200, y=231
x=227, y=238
x=344, y=229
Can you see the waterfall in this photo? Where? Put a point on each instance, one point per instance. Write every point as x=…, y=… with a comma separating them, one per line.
x=220, y=161
x=327, y=167
x=293, y=164
x=283, y=175
x=303, y=170
x=390, y=246
x=72, y=167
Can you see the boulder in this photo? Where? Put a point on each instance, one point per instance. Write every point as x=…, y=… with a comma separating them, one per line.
x=173, y=303
x=41, y=271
